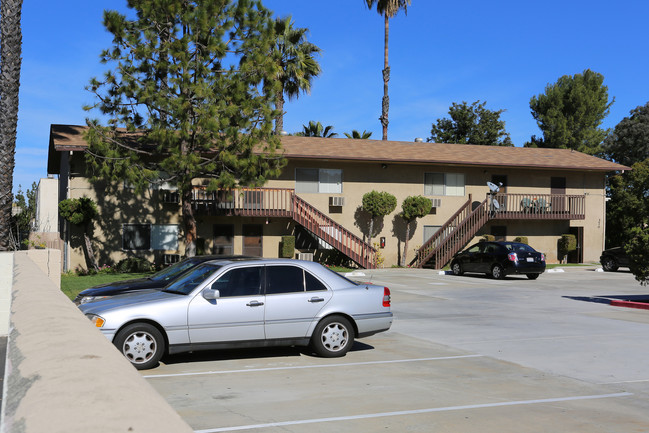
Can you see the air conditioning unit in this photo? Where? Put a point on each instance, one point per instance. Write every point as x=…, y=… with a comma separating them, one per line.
x=170, y=196
x=336, y=201
x=436, y=202
x=305, y=256
x=170, y=259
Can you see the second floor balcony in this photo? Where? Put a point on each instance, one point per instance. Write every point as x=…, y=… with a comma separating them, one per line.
x=505, y=206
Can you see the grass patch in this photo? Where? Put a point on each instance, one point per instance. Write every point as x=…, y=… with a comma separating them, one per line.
x=72, y=284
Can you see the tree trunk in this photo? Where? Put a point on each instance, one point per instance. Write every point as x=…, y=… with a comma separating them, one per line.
x=279, y=105
x=385, y=106
x=189, y=222
x=371, y=234
x=90, y=253
x=405, y=244
x=10, y=51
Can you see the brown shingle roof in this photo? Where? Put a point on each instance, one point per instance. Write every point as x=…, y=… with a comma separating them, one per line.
x=70, y=137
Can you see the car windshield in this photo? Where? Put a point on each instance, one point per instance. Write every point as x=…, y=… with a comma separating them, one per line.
x=173, y=271
x=191, y=279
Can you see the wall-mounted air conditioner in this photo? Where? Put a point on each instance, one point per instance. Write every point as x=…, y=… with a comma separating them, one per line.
x=170, y=259
x=336, y=201
x=305, y=256
x=436, y=202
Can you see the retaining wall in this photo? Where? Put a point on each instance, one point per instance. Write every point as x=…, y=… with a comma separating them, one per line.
x=62, y=375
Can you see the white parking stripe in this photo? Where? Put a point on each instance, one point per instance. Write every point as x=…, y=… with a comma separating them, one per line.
x=153, y=376
x=413, y=412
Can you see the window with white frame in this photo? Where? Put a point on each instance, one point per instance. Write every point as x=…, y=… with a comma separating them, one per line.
x=320, y=180
x=150, y=237
x=444, y=184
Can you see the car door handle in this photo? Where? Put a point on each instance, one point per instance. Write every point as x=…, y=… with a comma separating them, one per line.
x=254, y=304
x=315, y=299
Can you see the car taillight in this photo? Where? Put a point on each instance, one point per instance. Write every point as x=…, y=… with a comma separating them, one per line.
x=512, y=257
x=542, y=257
x=386, y=297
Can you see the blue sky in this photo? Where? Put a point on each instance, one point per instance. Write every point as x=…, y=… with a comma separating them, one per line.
x=501, y=52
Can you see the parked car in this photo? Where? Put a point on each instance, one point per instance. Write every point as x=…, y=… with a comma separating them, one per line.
x=243, y=303
x=155, y=281
x=499, y=259
x=612, y=258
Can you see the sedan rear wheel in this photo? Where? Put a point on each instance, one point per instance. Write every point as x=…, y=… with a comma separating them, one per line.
x=333, y=337
x=533, y=276
x=609, y=264
x=142, y=344
x=497, y=272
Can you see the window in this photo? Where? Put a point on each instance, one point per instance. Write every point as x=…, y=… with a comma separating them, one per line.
x=239, y=282
x=164, y=237
x=444, y=184
x=136, y=237
x=312, y=283
x=323, y=180
x=150, y=237
x=284, y=279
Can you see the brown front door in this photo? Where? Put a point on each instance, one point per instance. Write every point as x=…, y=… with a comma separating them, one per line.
x=223, y=239
x=558, y=186
x=252, y=237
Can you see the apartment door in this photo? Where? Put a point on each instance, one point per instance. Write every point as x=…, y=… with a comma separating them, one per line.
x=223, y=239
x=252, y=239
x=577, y=256
x=558, y=186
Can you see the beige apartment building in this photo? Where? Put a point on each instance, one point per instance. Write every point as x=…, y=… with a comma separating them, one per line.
x=542, y=194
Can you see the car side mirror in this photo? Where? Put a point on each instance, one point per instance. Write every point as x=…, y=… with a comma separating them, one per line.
x=211, y=294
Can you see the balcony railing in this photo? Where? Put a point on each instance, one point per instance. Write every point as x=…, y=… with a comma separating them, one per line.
x=536, y=206
x=259, y=202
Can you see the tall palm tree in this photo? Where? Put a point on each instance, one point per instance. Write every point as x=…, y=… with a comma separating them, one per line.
x=315, y=129
x=358, y=135
x=388, y=9
x=10, y=50
x=295, y=59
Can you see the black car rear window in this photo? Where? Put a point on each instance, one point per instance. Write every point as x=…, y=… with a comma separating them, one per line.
x=516, y=247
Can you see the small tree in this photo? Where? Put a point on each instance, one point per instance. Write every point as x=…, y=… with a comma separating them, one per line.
x=378, y=205
x=81, y=212
x=358, y=135
x=21, y=221
x=567, y=244
x=638, y=250
x=413, y=207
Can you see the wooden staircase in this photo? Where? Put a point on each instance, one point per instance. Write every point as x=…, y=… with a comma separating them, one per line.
x=452, y=236
x=283, y=202
x=333, y=233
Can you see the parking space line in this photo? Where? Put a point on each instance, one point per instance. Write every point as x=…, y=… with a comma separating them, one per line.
x=414, y=412
x=300, y=367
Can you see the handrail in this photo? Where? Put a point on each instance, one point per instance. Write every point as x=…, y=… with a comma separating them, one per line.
x=333, y=233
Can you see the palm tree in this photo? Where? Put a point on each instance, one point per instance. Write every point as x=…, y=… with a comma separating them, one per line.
x=315, y=129
x=10, y=50
x=296, y=64
x=359, y=135
x=388, y=9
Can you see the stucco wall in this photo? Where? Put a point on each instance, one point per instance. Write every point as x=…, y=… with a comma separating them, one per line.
x=62, y=375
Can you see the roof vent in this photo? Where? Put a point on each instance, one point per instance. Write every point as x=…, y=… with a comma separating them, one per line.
x=419, y=140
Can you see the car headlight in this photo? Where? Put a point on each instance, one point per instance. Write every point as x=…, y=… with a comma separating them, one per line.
x=96, y=320
x=87, y=299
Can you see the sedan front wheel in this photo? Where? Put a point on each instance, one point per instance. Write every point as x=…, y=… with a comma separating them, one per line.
x=457, y=268
x=333, y=337
x=142, y=344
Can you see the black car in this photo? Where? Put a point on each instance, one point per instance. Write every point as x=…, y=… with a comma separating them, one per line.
x=155, y=281
x=612, y=258
x=499, y=259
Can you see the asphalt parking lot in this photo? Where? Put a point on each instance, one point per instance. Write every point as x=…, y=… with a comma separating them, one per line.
x=465, y=354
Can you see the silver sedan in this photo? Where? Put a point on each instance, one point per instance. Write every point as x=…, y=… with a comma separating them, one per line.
x=249, y=303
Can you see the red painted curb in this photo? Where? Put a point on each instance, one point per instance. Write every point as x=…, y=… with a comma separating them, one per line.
x=630, y=304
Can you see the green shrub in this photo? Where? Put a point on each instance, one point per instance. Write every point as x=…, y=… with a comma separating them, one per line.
x=287, y=247
x=521, y=239
x=567, y=243
x=133, y=264
x=488, y=238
